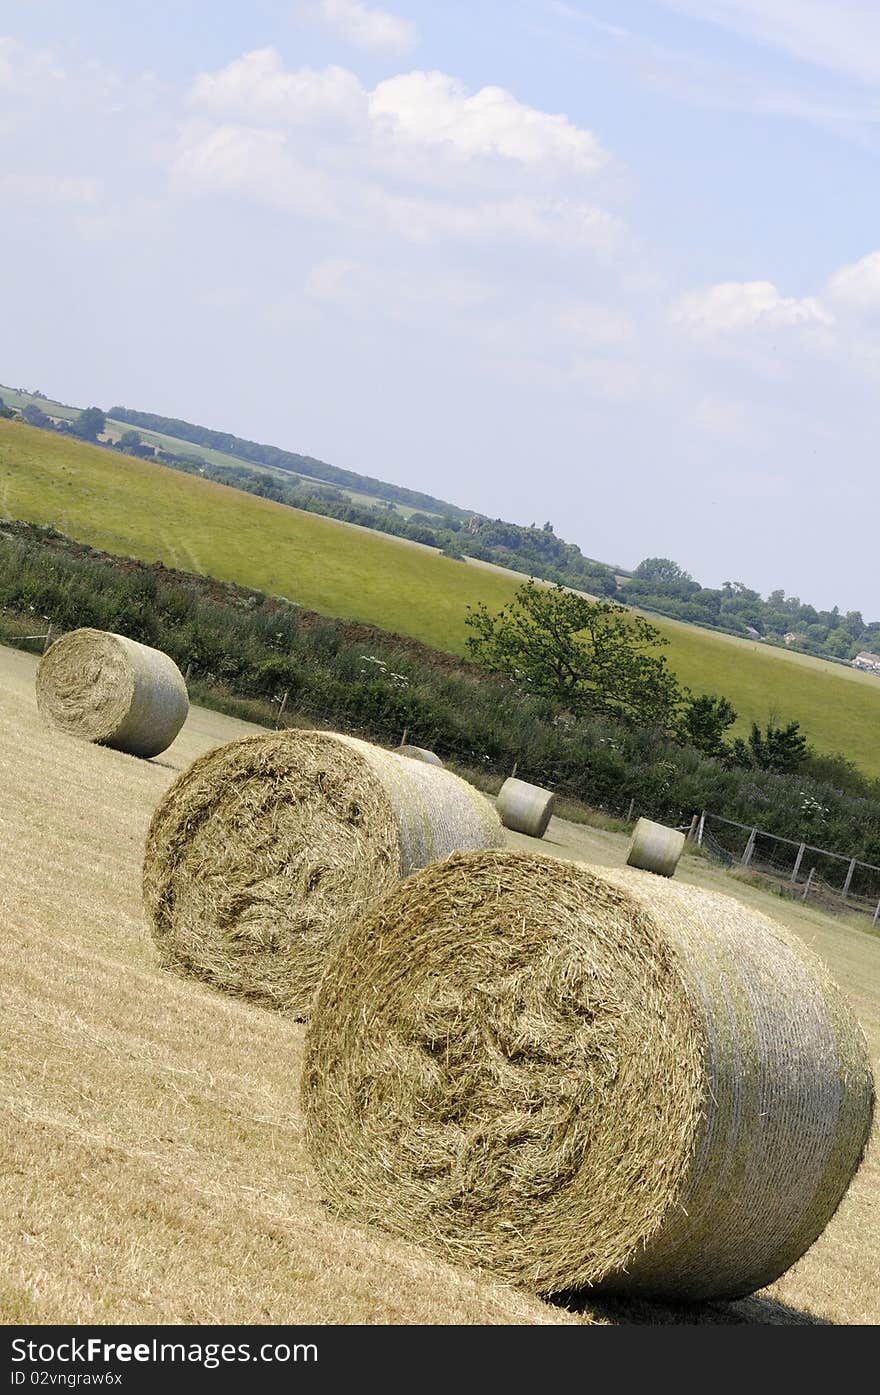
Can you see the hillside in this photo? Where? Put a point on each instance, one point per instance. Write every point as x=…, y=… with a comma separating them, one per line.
x=137, y=508
x=221, y=451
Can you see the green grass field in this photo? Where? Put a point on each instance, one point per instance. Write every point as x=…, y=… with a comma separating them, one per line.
x=174, y=445
x=139, y=509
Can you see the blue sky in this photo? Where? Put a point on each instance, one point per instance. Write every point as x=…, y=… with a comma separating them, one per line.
x=615, y=265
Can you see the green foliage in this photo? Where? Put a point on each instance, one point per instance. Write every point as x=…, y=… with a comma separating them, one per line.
x=661, y=585
x=781, y=749
x=89, y=424
x=246, y=646
x=35, y=416
x=4, y=410
x=705, y=721
x=589, y=656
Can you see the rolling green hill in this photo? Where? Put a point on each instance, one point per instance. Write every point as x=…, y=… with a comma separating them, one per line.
x=60, y=411
x=137, y=508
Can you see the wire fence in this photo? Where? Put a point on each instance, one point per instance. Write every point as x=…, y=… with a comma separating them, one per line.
x=824, y=878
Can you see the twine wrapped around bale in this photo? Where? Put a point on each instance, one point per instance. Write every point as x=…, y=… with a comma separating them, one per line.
x=419, y=753
x=265, y=850
x=111, y=690
x=581, y=1077
x=525, y=808
x=655, y=848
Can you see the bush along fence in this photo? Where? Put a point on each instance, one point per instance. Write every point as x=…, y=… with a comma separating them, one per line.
x=828, y=879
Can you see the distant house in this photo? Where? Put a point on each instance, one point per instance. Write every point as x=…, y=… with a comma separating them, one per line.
x=753, y=633
x=869, y=662
x=790, y=637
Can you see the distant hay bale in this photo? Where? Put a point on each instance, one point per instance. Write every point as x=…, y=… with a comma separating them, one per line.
x=111, y=690
x=419, y=753
x=265, y=850
x=579, y=1077
x=525, y=808
x=655, y=848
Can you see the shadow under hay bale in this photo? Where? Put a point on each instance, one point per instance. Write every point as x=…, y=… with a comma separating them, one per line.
x=265, y=850
x=111, y=690
x=525, y=808
x=419, y=753
x=655, y=848
x=585, y=1077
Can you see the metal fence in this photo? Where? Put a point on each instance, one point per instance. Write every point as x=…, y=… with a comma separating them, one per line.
x=825, y=878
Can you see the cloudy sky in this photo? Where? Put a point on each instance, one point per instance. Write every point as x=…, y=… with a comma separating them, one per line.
x=615, y=263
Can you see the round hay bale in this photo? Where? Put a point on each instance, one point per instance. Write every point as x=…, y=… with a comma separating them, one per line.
x=525, y=808
x=264, y=850
x=581, y=1077
x=109, y=689
x=655, y=848
x=419, y=753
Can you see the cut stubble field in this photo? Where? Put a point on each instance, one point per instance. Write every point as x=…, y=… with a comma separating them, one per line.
x=152, y=1153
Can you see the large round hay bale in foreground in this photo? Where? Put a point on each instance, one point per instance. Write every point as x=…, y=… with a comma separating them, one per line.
x=111, y=690
x=265, y=850
x=419, y=753
x=582, y=1077
x=655, y=848
x=525, y=808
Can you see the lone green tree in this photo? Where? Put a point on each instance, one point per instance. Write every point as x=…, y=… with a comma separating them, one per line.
x=89, y=424
x=590, y=656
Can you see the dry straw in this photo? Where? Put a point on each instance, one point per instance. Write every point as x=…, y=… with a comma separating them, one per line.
x=419, y=753
x=655, y=848
x=266, y=849
x=584, y=1077
x=109, y=689
x=525, y=808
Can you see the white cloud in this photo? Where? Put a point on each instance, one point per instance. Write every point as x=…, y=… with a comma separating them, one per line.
x=735, y=307
x=257, y=87
x=857, y=287
x=418, y=110
x=365, y=26
x=843, y=35
x=434, y=110
x=320, y=141
x=253, y=160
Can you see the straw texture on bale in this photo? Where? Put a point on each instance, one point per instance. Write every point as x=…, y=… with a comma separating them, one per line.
x=419, y=753
x=581, y=1077
x=525, y=808
x=111, y=690
x=655, y=848
x=265, y=850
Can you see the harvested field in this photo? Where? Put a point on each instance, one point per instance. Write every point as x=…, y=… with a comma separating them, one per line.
x=152, y=1156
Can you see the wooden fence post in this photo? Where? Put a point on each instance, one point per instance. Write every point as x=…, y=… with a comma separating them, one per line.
x=629, y=812
x=797, y=863
x=701, y=828
x=807, y=884
x=849, y=877
x=750, y=848
x=48, y=639
x=281, y=708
